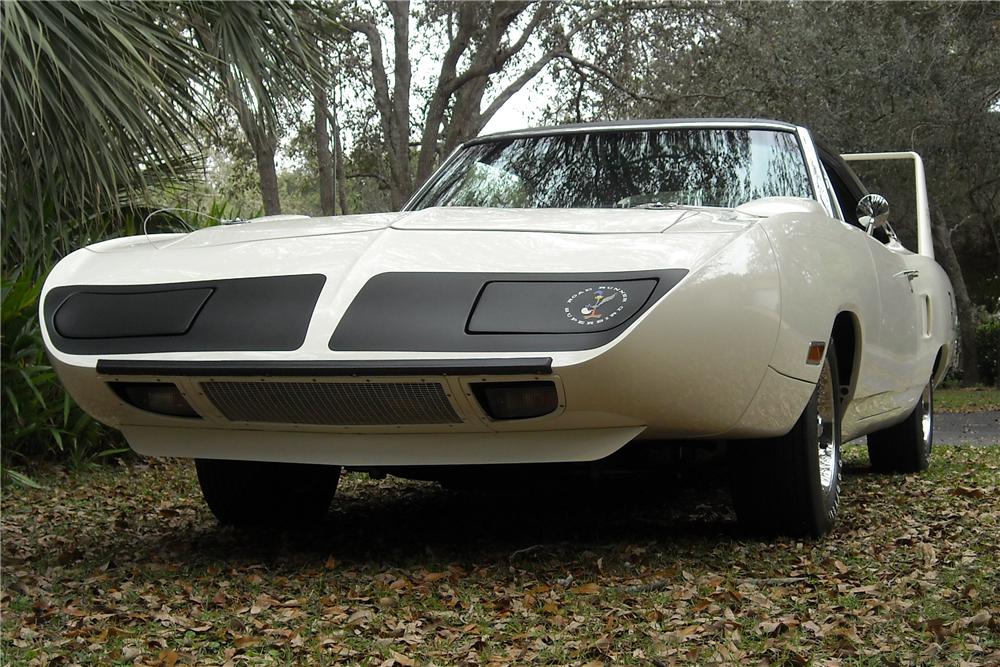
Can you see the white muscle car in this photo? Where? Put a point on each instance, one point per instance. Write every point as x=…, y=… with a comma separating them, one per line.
x=549, y=295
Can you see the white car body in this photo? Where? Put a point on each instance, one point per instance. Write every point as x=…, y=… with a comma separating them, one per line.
x=722, y=355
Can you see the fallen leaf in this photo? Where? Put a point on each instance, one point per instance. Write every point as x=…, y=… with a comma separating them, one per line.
x=167, y=658
x=586, y=589
x=772, y=628
x=929, y=553
x=402, y=659
x=981, y=618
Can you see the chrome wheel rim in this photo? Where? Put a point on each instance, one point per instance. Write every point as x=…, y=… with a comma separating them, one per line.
x=926, y=418
x=826, y=431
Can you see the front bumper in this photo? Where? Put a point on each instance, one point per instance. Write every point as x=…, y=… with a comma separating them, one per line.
x=398, y=412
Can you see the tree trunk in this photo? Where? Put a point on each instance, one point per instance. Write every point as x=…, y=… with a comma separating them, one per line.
x=341, y=169
x=264, y=144
x=969, y=354
x=437, y=106
x=327, y=183
x=264, y=154
x=403, y=183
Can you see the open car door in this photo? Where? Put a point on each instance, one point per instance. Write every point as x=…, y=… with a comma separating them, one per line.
x=904, y=296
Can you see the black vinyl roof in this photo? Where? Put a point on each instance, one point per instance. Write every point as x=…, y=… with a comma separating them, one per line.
x=638, y=124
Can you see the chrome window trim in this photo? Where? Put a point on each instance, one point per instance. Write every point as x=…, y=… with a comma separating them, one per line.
x=838, y=211
x=815, y=168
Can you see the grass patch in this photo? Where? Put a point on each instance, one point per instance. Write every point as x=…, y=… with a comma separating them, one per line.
x=124, y=565
x=968, y=399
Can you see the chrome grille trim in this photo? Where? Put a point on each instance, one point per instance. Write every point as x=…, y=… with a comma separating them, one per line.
x=332, y=403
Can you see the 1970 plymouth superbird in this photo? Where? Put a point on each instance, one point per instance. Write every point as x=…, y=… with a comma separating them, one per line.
x=549, y=295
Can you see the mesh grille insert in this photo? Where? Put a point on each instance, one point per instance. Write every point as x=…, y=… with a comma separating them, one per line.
x=333, y=403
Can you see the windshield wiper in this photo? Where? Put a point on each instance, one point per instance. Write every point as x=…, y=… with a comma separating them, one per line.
x=656, y=205
x=670, y=206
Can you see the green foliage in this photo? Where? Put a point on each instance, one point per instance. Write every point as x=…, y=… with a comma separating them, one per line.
x=106, y=104
x=103, y=101
x=264, y=54
x=39, y=420
x=98, y=103
x=988, y=344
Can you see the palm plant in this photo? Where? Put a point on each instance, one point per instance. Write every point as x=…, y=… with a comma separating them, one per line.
x=102, y=100
x=99, y=102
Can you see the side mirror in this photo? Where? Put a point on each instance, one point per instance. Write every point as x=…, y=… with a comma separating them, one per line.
x=873, y=211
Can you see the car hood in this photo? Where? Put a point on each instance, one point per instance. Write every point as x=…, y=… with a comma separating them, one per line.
x=555, y=221
x=563, y=221
x=349, y=250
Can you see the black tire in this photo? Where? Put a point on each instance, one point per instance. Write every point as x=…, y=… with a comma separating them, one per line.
x=776, y=483
x=906, y=447
x=260, y=493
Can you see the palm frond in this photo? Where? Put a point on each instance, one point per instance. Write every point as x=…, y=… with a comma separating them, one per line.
x=99, y=100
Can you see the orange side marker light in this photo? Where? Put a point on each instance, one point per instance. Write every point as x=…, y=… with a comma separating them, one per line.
x=815, y=355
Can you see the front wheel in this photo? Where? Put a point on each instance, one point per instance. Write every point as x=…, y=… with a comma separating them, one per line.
x=906, y=447
x=791, y=485
x=262, y=493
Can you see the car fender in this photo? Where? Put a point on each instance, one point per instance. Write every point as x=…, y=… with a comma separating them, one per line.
x=690, y=366
x=825, y=269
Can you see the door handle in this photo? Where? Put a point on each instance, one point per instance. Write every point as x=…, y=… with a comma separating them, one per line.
x=909, y=274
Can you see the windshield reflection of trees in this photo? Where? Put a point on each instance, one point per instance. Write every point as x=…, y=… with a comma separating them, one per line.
x=699, y=167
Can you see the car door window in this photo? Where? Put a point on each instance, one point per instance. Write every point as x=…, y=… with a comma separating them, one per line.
x=843, y=196
x=848, y=205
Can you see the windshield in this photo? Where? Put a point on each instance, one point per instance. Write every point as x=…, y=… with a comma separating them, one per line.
x=634, y=168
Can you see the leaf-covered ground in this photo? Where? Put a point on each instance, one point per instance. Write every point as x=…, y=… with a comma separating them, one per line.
x=124, y=565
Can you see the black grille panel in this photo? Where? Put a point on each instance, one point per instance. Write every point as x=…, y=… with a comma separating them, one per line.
x=333, y=403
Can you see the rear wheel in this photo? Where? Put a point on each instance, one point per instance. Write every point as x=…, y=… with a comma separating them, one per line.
x=260, y=493
x=791, y=485
x=906, y=447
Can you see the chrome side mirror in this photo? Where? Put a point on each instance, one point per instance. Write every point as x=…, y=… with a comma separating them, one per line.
x=873, y=212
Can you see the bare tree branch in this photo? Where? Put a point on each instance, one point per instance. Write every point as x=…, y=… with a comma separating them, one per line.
x=518, y=83
x=394, y=120
x=611, y=79
x=379, y=79
x=438, y=103
x=490, y=60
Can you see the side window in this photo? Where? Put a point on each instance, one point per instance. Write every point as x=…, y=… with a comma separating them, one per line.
x=848, y=202
x=848, y=206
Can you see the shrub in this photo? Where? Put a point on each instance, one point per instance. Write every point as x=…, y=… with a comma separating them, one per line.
x=988, y=347
x=39, y=420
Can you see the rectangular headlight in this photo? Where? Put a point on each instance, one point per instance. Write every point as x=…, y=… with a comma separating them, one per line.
x=516, y=400
x=163, y=398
